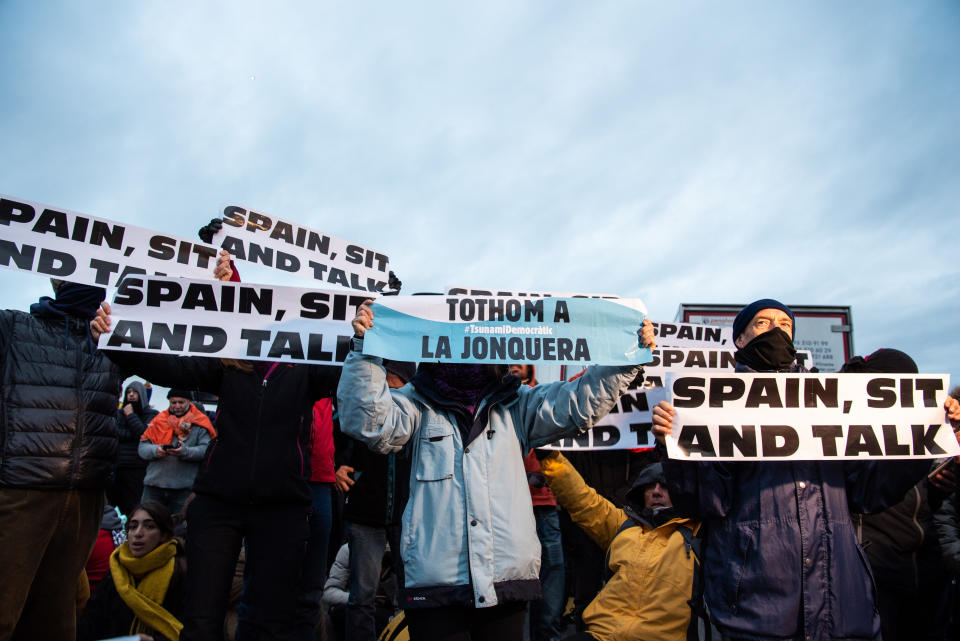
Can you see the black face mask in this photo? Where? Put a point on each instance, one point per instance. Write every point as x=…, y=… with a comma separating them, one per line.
x=771, y=351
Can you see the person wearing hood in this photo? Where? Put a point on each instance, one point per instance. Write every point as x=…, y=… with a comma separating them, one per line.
x=58, y=443
x=650, y=550
x=782, y=559
x=132, y=420
x=901, y=542
x=469, y=543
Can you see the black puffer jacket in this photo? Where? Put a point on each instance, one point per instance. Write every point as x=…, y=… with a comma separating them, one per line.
x=948, y=527
x=58, y=404
x=260, y=454
x=130, y=427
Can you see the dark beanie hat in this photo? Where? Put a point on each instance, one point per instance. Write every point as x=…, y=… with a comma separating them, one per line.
x=180, y=393
x=882, y=361
x=402, y=369
x=747, y=313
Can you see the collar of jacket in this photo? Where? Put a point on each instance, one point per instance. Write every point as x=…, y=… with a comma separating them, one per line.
x=470, y=426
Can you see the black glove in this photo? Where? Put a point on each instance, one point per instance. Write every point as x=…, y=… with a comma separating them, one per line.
x=207, y=232
x=394, y=284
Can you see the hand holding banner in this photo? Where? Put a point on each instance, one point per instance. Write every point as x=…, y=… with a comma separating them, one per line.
x=465, y=329
x=289, y=247
x=231, y=320
x=626, y=427
x=736, y=417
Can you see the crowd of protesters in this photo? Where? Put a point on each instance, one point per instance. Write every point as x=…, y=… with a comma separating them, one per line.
x=418, y=502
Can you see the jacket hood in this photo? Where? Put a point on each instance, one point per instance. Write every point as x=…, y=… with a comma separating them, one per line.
x=110, y=520
x=647, y=476
x=141, y=389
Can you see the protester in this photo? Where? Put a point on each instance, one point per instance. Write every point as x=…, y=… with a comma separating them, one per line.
x=901, y=542
x=546, y=613
x=252, y=485
x=132, y=421
x=374, y=506
x=471, y=556
x=58, y=444
x=174, y=445
x=783, y=560
x=650, y=551
x=143, y=592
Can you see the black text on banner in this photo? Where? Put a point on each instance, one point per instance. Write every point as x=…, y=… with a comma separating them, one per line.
x=288, y=247
x=231, y=320
x=627, y=426
x=93, y=251
x=809, y=417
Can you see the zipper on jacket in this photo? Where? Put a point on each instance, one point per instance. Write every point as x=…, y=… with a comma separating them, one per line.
x=300, y=449
x=256, y=434
x=78, y=433
x=391, y=473
x=916, y=521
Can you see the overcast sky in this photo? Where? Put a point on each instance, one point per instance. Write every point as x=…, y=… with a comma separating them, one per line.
x=676, y=152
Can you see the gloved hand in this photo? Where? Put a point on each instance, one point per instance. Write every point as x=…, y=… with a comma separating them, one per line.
x=394, y=284
x=535, y=479
x=207, y=232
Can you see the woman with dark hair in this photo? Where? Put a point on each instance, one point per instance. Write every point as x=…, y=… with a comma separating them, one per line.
x=469, y=542
x=143, y=592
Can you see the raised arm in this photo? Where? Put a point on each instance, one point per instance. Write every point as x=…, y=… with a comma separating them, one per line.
x=369, y=411
x=595, y=515
x=555, y=410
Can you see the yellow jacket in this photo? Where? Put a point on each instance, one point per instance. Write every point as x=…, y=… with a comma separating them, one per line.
x=646, y=598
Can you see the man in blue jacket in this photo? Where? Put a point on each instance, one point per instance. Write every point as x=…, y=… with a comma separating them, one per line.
x=782, y=560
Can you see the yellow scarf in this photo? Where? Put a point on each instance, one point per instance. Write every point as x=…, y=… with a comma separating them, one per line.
x=142, y=584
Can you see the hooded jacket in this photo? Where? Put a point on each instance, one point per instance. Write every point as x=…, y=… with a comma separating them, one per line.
x=782, y=558
x=58, y=404
x=130, y=427
x=651, y=565
x=469, y=535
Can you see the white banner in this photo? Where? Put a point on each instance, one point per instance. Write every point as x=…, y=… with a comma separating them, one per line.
x=626, y=427
x=288, y=247
x=809, y=417
x=480, y=291
x=232, y=320
x=685, y=360
x=462, y=329
x=93, y=251
x=692, y=335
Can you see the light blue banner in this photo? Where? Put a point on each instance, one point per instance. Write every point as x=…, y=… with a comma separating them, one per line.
x=462, y=329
